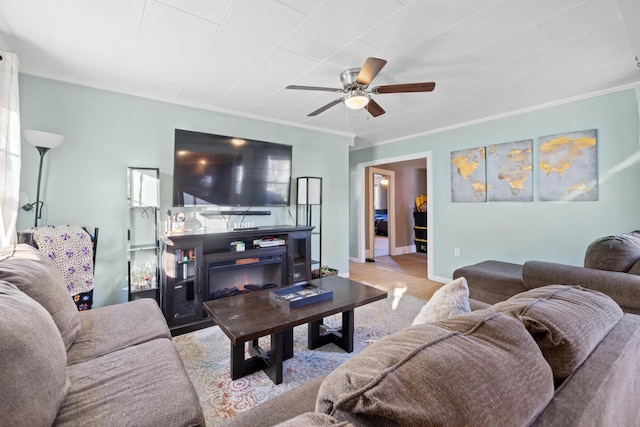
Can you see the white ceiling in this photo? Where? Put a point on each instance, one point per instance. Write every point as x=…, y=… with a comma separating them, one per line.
x=487, y=57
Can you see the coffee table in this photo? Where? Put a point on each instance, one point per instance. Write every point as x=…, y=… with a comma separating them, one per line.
x=247, y=317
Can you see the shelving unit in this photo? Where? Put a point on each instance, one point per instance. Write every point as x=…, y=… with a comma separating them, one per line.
x=420, y=231
x=309, y=213
x=143, y=197
x=182, y=282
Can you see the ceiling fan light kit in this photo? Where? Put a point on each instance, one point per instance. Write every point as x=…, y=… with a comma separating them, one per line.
x=356, y=100
x=355, y=84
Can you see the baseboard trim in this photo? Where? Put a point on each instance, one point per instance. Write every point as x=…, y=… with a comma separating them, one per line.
x=439, y=279
x=406, y=250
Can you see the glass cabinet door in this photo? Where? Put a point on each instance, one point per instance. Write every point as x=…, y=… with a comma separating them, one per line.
x=299, y=254
x=182, y=283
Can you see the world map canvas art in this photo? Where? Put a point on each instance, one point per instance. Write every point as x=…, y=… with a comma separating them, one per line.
x=569, y=166
x=468, y=175
x=510, y=171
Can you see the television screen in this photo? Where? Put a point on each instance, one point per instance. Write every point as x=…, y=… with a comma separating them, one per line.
x=222, y=170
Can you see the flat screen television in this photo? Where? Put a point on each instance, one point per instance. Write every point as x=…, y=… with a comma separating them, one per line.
x=227, y=171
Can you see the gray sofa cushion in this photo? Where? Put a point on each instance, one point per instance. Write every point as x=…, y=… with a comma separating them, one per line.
x=37, y=276
x=613, y=253
x=492, y=281
x=33, y=361
x=314, y=419
x=141, y=385
x=114, y=327
x=567, y=322
x=478, y=368
x=635, y=268
x=604, y=390
x=623, y=288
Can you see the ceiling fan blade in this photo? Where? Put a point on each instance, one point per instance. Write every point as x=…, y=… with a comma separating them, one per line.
x=408, y=87
x=324, y=89
x=326, y=107
x=374, y=108
x=370, y=70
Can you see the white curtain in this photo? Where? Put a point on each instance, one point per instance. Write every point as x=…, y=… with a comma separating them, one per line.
x=9, y=148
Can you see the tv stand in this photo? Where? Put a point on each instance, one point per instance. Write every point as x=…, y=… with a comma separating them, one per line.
x=189, y=263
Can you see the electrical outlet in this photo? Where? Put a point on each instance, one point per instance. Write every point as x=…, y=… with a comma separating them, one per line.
x=456, y=252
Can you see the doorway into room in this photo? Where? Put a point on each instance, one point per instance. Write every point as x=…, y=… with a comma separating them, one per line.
x=381, y=214
x=410, y=179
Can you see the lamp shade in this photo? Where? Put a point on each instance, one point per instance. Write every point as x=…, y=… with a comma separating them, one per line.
x=39, y=138
x=356, y=101
x=311, y=187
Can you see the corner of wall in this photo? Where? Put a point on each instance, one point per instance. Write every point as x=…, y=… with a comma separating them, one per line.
x=637, y=89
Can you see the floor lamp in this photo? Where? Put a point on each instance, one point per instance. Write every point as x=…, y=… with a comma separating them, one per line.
x=43, y=141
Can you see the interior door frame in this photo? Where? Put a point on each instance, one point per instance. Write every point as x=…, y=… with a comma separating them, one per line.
x=361, y=208
x=391, y=211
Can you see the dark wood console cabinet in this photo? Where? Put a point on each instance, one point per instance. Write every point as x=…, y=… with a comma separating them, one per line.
x=188, y=257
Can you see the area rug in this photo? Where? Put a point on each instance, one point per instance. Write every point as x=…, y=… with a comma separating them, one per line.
x=205, y=354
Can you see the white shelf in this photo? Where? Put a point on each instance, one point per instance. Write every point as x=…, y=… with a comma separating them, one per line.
x=143, y=195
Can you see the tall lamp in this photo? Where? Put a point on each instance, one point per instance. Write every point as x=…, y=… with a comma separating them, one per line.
x=43, y=141
x=309, y=193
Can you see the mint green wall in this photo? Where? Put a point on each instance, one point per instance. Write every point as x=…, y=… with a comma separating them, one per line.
x=84, y=180
x=516, y=232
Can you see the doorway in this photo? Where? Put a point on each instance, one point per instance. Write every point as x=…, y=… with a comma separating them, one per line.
x=404, y=178
x=380, y=212
x=380, y=215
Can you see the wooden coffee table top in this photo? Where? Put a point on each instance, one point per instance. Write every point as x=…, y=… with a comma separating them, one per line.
x=253, y=315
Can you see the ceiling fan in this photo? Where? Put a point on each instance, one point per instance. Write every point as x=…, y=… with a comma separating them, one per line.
x=356, y=81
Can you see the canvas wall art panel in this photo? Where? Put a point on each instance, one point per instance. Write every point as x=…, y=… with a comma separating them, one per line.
x=569, y=166
x=510, y=171
x=468, y=175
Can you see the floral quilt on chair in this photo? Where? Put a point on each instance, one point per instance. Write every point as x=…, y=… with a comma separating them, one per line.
x=71, y=248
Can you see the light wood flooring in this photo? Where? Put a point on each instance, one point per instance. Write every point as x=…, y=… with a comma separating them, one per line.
x=381, y=245
x=381, y=276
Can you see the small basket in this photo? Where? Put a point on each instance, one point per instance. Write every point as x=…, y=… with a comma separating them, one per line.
x=324, y=272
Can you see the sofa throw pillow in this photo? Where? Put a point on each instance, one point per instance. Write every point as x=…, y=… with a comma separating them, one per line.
x=471, y=369
x=36, y=275
x=34, y=361
x=449, y=300
x=567, y=322
x=613, y=253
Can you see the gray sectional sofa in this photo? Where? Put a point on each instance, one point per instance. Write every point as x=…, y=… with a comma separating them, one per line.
x=111, y=366
x=611, y=266
x=552, y=356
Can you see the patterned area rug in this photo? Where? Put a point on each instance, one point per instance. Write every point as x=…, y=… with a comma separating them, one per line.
x=206, y=356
